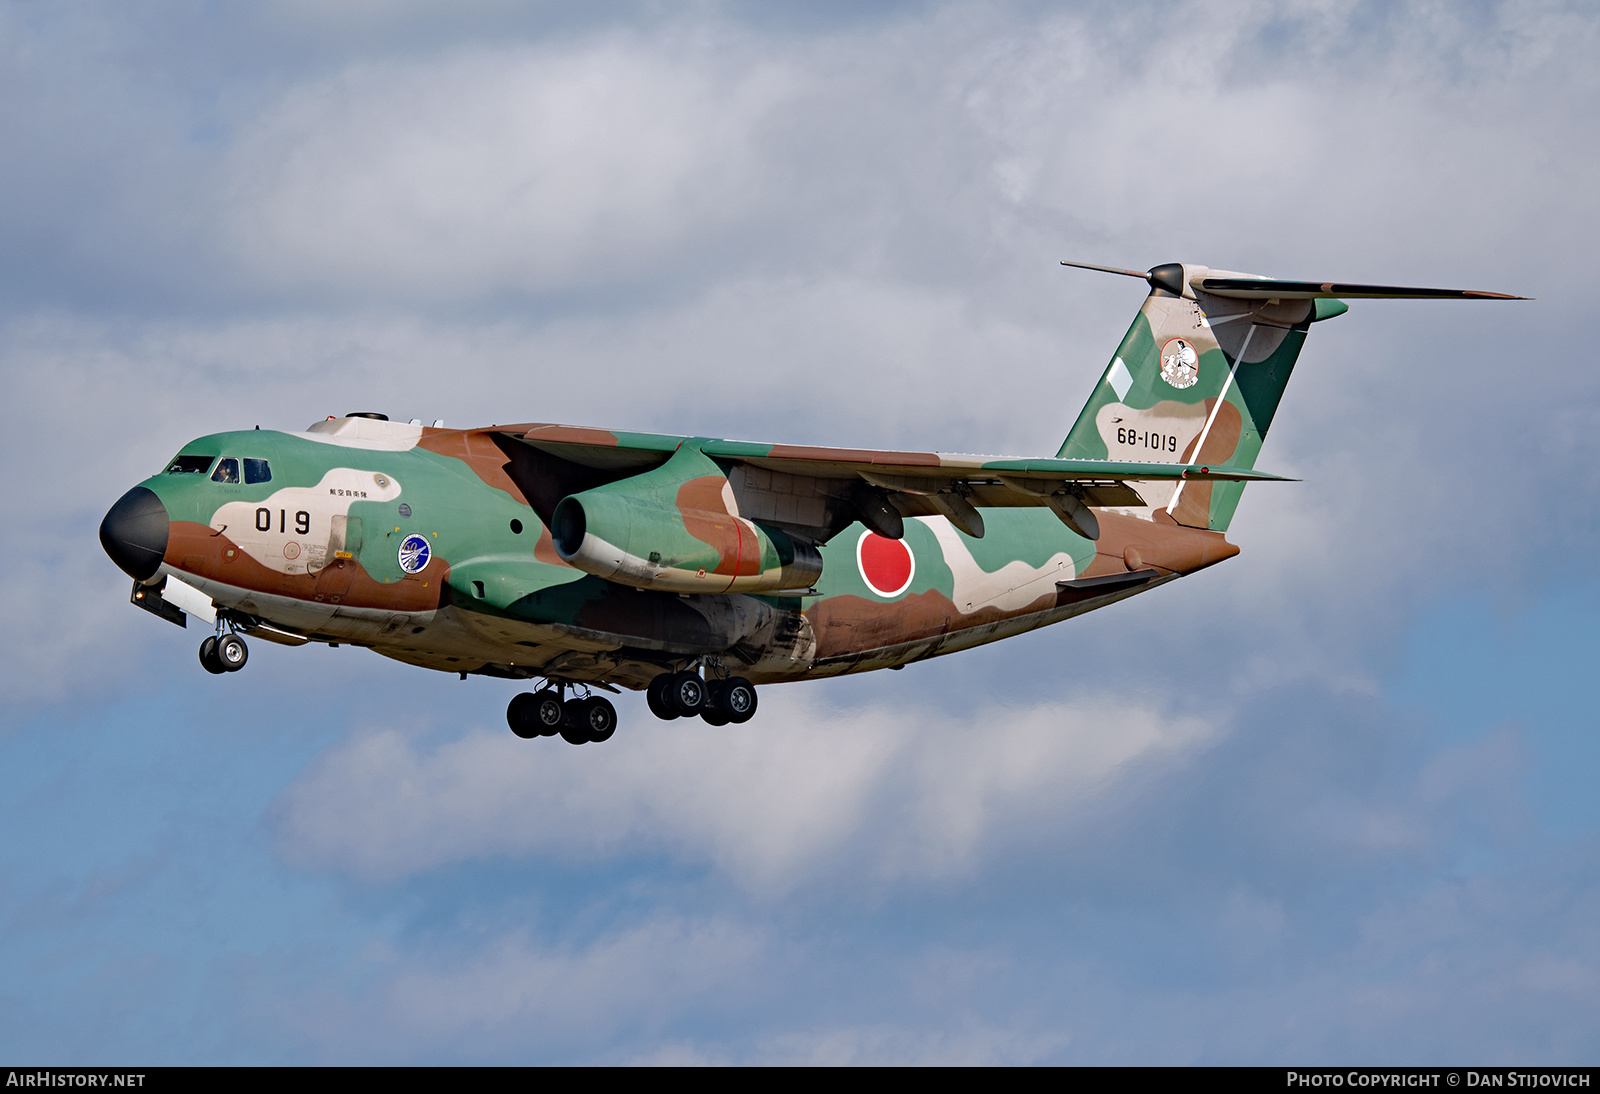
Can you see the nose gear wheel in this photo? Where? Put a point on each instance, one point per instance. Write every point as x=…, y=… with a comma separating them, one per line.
x=224, y=651
x=208, y=656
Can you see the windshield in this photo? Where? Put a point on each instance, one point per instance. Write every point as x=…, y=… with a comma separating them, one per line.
x=190, y=465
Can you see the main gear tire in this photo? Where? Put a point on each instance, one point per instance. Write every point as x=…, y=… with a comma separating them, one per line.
x=599, y=717
x=656, y=697
x=522, y=717
x=574, y=729
x=549, y=712
x=738, y=700
x=687, y=694
x=713, y=713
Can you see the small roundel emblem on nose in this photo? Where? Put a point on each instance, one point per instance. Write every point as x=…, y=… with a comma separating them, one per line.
x=414, y=554
x=886, y=565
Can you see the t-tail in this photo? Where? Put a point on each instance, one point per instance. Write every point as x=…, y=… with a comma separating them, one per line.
x=1198, y=376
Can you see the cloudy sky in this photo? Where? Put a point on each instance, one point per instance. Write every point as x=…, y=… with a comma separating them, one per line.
x=1333, y=801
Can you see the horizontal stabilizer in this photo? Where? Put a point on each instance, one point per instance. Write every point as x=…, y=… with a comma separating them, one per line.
x=1176, y=278
x=1073, y=470
x=1261, y=288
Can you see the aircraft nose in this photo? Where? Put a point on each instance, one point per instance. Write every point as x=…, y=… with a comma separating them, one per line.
x=134, y=533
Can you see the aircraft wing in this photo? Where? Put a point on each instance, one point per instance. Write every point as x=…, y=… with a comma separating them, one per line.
x=772, y=481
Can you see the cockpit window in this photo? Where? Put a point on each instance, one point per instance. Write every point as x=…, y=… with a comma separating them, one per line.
x=256, y=471
x=227, y=471
x=190, y=465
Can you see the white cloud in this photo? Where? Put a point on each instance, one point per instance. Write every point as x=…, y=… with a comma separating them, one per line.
x=891, y=794
x=505, y=993
x=532, y=167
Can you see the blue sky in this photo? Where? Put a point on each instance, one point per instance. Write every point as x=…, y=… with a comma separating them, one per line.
x=1330, y=802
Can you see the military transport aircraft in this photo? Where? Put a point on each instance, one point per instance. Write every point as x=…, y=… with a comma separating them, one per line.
x=696, y=568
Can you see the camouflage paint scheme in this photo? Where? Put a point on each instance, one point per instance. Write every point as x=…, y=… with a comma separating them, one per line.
x=597, y=556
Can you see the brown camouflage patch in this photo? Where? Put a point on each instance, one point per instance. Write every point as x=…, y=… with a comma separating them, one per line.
x=1194, y=505
x=475, y=449
x=544, y=549
x=846, y=625
x=572, y=434
x=1168, y=547
x=197, y=549
x=706, y=518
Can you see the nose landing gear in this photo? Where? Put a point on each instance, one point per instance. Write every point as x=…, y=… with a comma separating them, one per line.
x=223, y=652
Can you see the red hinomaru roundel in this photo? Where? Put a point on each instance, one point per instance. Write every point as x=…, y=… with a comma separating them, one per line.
x=886, y=565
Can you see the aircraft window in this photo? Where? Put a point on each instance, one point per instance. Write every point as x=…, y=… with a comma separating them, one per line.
x=227, y=471
x=190, y=465
x=256, y=471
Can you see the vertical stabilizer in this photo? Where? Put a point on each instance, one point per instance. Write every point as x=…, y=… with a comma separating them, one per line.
x=1196, y=379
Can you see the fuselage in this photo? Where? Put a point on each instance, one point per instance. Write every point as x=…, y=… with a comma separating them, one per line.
x=424, y=545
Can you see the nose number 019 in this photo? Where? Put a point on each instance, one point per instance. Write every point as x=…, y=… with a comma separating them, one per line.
x=302, y=521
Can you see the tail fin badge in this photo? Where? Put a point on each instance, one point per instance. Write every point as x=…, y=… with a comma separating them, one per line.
x=1180, y=363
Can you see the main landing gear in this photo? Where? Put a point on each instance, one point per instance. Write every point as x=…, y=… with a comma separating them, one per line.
x=547, y=713
x=685, y=695
x=578, y=720
x=223, y=652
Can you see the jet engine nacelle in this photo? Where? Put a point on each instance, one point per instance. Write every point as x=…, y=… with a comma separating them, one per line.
x=679, y=547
